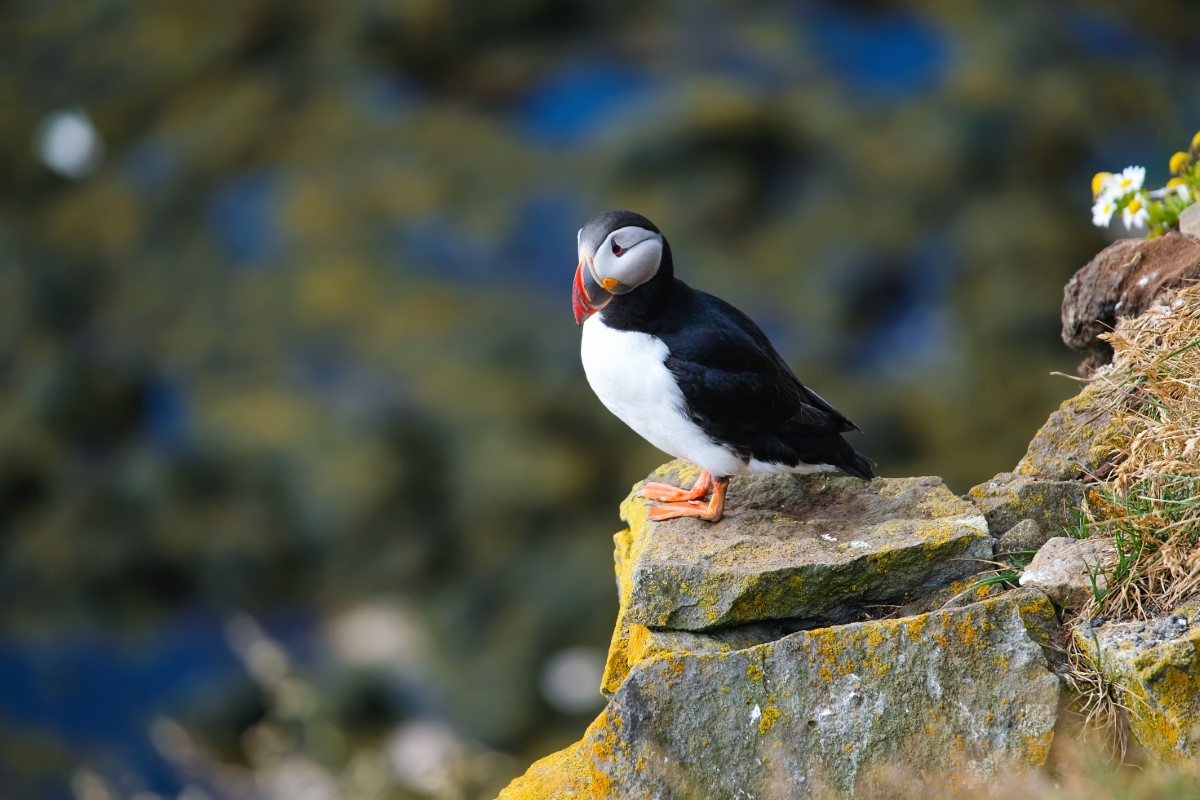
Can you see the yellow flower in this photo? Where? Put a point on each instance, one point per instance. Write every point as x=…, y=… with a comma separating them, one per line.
x=1179, y=162
x=1195, y=143
x=1098, y=182
x=1171, y=184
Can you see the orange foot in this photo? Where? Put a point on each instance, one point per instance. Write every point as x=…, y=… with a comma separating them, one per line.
x=673, y=494
x=692, y=508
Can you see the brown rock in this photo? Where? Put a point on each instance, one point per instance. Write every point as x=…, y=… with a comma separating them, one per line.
x=1123, y=280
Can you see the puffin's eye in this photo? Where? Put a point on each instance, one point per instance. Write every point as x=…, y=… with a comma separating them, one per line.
x=617, y=249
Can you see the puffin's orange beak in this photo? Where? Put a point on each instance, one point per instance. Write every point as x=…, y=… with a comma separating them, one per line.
x=579, y=297
x=587, y=296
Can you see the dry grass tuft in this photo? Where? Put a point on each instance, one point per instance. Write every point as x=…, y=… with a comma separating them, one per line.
x=1100, y=703
x=1150, y=504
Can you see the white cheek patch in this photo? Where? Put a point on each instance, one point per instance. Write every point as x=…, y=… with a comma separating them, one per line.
x=637, y=264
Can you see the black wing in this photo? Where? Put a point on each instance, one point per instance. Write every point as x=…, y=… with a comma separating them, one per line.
x=732, y=376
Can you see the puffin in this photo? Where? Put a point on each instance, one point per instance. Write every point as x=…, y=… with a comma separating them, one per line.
x=693, y=375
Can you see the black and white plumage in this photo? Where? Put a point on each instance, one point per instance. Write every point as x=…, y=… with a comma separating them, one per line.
x=691, y=374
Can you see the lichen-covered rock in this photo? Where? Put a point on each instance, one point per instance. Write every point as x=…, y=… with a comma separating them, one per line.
x=1078, y=441
x=957, y=691
x=1157, y=665
x=1009, y=498
x=809, y=550
x=559, y=776
x=1070, y=571
x=811, y=547
x=1024, y=537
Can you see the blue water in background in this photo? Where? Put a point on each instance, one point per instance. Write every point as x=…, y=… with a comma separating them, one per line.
x=889, y=57
x=98, y=694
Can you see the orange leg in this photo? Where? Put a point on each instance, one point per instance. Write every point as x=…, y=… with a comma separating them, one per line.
x=673, y=494
x=711, y=513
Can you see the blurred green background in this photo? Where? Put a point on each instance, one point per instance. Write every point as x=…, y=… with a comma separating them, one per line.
x=302, y=490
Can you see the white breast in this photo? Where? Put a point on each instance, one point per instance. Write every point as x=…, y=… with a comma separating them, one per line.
x=627, y=371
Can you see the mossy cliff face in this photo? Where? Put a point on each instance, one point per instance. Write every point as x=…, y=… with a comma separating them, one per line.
x=751, y=658
x=745, y=660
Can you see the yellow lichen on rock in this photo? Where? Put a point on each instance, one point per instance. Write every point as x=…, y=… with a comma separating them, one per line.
x=562, y=776
x=1168, y=724
x=604, y=746
x=804, y=693
x=627, y=547
x=1037, y=748
x=769, y=715
x=1077, y=439
x=1160, y=679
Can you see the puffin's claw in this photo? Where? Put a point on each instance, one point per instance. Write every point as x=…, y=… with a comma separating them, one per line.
x=667, y=493
x=692, y=508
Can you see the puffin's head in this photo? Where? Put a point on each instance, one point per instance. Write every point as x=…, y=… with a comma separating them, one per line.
x=618, y=252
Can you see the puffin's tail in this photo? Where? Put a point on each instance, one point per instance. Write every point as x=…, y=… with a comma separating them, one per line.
x=831, y=449
x=857, y=464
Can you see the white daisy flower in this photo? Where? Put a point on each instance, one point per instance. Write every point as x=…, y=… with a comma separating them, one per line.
x=1129, y=180
x=1174, y=186
x=1102, y=212
x=1136, y=214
